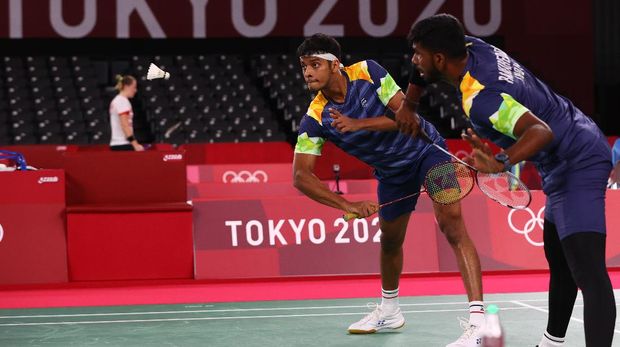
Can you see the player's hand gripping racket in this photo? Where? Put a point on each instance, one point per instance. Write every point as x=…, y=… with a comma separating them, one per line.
x=445, y=183
x=502, y=187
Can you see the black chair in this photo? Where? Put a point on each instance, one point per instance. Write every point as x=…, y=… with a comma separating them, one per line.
x=76, y=138
x=22, y=126
x=51, y=138
x=184, y=60
x=165, y=61
x=24, y=139
x=62, y=72
x=94, y=113
x=15, y=82
x=73, y=125
x=70, y=113
x=17, y=102
x=57, y=61
x=48, y=126
x=99, y=137
x=197, y=137
x=42, y=92
x=81, y=61
x=46, y=114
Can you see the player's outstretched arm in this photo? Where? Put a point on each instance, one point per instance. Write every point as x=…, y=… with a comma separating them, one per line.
x=532, y=135
x=306, y=181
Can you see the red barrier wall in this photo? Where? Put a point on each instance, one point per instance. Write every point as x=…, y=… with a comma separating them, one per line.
x=32, y=227
x=125, y=177
x=235, y=153
x=128, y=216
x=295, y=236
x=240, y=173
x=125, y=245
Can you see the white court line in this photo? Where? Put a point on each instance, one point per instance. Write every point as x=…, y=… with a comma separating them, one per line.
x=231, y=317
x=245, y=310
x=547, y=311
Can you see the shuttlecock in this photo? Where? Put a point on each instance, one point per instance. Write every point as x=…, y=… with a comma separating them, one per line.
x=155, y=73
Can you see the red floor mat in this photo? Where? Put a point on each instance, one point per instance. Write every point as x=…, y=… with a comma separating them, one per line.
x=177, y=292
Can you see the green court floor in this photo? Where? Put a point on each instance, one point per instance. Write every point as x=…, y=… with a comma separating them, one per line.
x=431, y=321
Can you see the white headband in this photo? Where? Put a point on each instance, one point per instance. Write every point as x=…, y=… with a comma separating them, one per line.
x=326, y=56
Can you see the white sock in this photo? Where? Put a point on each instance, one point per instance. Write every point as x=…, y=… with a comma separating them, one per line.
x=549, y=340
x=389, y=300
x=476, y=313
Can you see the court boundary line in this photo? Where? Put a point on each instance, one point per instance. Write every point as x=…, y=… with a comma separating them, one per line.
x=158, y=320
x=244, y=309
x=541, y=309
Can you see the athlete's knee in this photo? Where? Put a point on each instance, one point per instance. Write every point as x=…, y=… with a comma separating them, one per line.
x=391, y=242
x=450, y=221
x=585, y=255
x=392, y=237
x=393, y=233
x=590, y=276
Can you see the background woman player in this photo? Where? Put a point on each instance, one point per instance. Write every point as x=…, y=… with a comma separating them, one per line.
x=121, y=116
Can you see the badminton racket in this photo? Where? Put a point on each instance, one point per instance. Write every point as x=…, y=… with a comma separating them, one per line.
x=502, y=187
x=445, y=183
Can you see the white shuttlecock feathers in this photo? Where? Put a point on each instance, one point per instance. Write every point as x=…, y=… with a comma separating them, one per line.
x=155, y=73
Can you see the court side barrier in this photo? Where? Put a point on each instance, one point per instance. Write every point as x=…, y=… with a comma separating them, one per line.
x=128, y=216
x=266, y=190
x=43, y=156
x=295, y=236
x=243, y=152
x=32, y=227
x=273, y=153
x=240, y=173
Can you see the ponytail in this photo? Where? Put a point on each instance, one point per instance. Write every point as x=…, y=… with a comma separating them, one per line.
x=122, y=81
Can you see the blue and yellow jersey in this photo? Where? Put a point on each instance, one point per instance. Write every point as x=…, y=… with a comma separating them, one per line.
x=496, y=91
x=369, y=89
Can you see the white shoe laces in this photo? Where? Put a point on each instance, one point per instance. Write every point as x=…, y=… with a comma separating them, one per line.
x=468, y=329
x=376, y=311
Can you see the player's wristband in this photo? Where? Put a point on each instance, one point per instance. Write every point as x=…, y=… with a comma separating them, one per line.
x=131, y=138
x=390, y=114
x=415, y=78
x=503, y=158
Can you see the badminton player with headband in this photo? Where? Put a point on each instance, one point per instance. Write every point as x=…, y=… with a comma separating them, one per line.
x=367, y=92
x=508, y=105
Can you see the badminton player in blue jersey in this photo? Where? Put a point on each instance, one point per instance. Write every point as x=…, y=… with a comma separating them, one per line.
x=508, y=105
x=366, y=92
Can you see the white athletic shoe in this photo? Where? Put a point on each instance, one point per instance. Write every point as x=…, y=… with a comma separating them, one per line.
x=471, y=335
x=377, y=320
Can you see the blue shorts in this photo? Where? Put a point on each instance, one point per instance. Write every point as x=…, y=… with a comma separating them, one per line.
x=578, y=204
x=407, y=183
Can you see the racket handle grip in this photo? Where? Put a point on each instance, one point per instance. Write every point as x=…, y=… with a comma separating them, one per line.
x=348, y=216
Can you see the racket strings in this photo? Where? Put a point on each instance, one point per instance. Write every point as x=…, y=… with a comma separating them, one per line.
x=448, y=182
x=505, y=188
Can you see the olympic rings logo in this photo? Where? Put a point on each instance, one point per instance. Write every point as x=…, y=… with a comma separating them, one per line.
x=529, y=226
x=245, y=176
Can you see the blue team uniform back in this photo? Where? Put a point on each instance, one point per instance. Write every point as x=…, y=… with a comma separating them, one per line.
x=496, y=91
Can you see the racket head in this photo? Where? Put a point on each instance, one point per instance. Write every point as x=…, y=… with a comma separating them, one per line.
x=448, y=182
x=505, y=188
